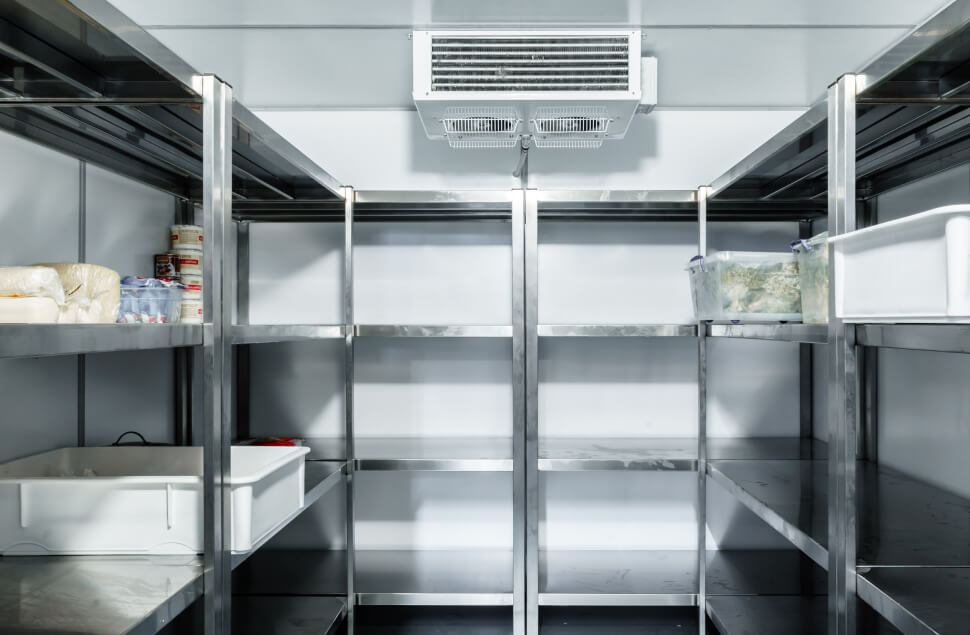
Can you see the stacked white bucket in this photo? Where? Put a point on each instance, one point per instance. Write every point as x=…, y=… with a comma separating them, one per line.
x=187, y=247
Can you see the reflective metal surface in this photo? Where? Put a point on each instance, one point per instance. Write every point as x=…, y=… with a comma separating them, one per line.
x=532, y=568
x=287, y=615
x=616, y=196
x=350, y=571
x=808, y=333
x=618, y=578
x=760, y=615
x=788, y=495
x=763, y=572
x=271, y=333
x=216, y=351
x=43, y=340
x=96, y=595
x=766, y=448
x=519, y=465
x=462, y=578
x=364, y=197
x=950, y=338
x=919, y=600
x=320, y=477
x=592, y=454
x=616, y=330
x=842, y=372
x=438, y=454
x=416, y=330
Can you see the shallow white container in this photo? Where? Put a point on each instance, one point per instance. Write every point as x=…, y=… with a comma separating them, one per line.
x=145, y=500
x=915, y=269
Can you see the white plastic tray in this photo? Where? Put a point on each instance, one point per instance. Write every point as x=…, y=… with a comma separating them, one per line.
x=915, y=269
x=146, y=500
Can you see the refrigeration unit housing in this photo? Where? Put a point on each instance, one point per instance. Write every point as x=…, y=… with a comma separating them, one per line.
x=565, y=89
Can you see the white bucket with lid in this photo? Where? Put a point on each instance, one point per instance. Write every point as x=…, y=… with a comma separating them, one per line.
x=193, y=287
x=188, y=261
x=189, y=236
x=191, y=311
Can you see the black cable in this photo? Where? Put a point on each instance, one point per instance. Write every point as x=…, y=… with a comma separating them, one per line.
x=144, y=441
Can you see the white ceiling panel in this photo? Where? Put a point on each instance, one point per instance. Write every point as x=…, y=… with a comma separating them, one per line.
x=371, y=68
x=518, y=13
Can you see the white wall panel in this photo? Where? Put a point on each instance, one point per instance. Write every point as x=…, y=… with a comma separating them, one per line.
x=434, y=510
x=38, y=223
x=651, y=13
x=433, y=273
x=297, y=389
x=619, y=273
x=433, y=387
x=617, y=387
x=617, y=510
x=664, y=150
x=296, y=273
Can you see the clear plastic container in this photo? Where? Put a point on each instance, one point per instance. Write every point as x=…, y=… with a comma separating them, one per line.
x=746, y=286
x=150, y=305
x=813, y=273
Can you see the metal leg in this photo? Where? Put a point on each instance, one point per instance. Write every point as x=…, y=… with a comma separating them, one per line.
x=843, y=410
x=519, y=502
x=82, y=231
x=217, y=211
x=243, y=375
x=702, y=195
x=349, y=400
x=532, y=411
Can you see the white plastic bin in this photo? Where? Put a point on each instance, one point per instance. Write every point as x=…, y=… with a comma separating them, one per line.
x=915, y=269
x=813, y=275
x=746, y=286
x=144, y=500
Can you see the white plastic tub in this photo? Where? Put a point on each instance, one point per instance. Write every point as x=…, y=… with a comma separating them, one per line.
x=145, y=500
x=915, y=269
x=746, y=286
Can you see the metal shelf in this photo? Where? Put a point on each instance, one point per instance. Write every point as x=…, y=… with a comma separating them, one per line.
x=901, y=521
x=761, y=448
x=948, y=338
x=617, y=621
x=804, y=333
x=763, y=572
x=617, y=330
x=591, y=454
x=790, y=496
x=46, y=340
x=423, y=454
x=618, y=578
x=757, y=615
x=287, y=615
x=384, y=578
x=319, y=478
x=416, y=330
x=96, y=595
x=100, y=88
x=272, y=333
x=919, y=600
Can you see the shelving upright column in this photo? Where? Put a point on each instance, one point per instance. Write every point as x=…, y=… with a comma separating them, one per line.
x=843, y=411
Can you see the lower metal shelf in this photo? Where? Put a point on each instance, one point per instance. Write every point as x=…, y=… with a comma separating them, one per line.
x=796, y=332
x=763, y=572
x=919, y=600
x=618, y=578
x=426, y=454
x=788, y=495
x=274, y=333
x=590, y=454
x=96, y=595
x=319, y=477
x=384, y=578
x=760, y=615
x=618, y=621
x=287, y=615
x=46, y=340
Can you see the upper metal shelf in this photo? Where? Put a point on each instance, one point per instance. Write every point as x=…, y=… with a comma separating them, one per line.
x=47, y=340
x=910, y=122
x=82, y=78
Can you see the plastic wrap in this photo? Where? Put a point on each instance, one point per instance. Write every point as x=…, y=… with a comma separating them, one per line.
x=92, y=293
x=31, y=282
x=28, y=311
x=149, y=301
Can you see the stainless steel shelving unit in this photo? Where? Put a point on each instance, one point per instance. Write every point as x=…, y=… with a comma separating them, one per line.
x=898, y=544
x=90, y=83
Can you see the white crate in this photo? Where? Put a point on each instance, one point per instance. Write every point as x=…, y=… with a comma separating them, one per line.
x=915, y=269
x=144, y=500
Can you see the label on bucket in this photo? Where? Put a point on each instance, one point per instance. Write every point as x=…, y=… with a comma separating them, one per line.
x=186, y=236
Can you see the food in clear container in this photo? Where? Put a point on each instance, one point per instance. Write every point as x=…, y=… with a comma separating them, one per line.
x=743, y=285
x=150, y=301
x=813, y=273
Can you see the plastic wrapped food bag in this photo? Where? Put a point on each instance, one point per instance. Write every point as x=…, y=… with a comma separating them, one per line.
x=31, y=282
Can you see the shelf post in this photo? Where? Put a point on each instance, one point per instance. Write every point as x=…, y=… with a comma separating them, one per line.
x=702, y=195
x=519, y=502
x=843, y=376
x=348, y=297
x=216, y=351
x=532, y=410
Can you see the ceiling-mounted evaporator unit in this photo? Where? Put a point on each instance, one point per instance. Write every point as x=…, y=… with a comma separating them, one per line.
x=565, y=89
